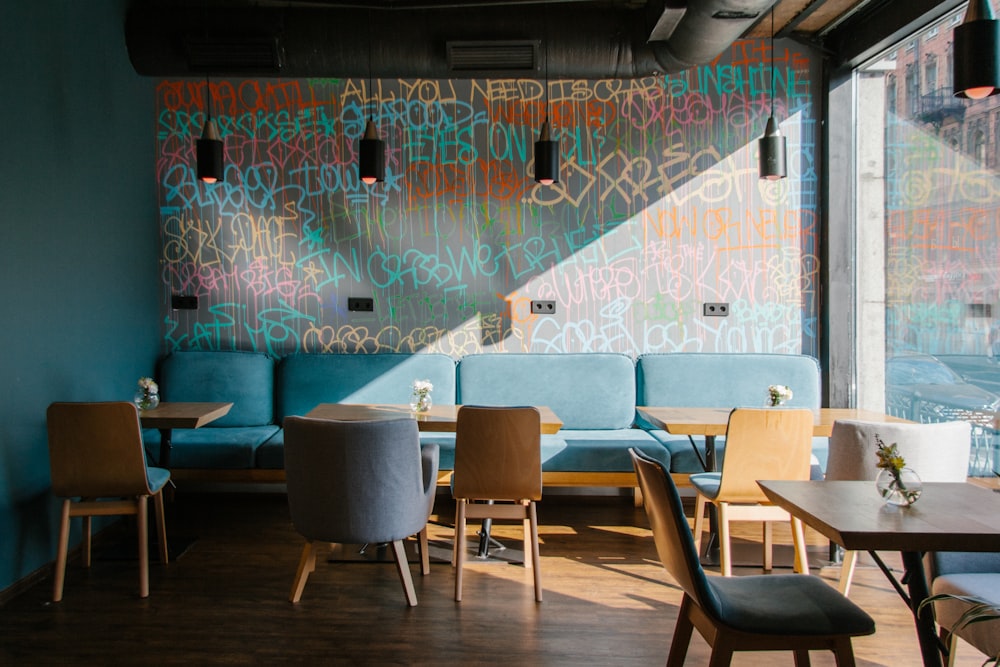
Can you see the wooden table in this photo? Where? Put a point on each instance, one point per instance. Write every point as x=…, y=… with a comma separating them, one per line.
x=947, y=517
x=712, y=422
x=168, y=416
x=439, y=419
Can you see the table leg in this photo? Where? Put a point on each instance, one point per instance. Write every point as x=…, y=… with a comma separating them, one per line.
x=712, y=547
x=165, y=444
x=930, y=649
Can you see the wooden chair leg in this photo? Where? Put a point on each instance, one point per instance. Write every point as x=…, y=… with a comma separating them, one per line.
x=161, y=527
x=61, y=552
x=142, y=521
x=799, y=542
x=725, y=555
x=459, y=547
x=425, y=554
x=403, y=568
x=87, y=541
x=847, y=571
x=951, y=641
x=802, y=657
x=682, y=635
x=307, y=563
x=535, y=555
x=843, y=652
x=526, y=526
x=699, y=521
x=768, y=545
x=722, y=652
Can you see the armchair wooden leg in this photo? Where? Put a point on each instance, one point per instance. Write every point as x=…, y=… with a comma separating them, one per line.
x=725, y=555
x=403, y=568
x=161, y=527
x=535, y=556
x=843, y=652
x=799, y=541
x=307, y=563
x=459, y=548
x=699, y=522
x=847, y=571
x=801, y=657
x=528, y=532
x=61, y=553
x=425, y=554
x=768, y=545
x=142, y=521
x=682, y=635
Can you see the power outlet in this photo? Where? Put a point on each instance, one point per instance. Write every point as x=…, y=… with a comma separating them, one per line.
x=715, y=309
x=184, y=302
x=543, y=307
x=360, y=304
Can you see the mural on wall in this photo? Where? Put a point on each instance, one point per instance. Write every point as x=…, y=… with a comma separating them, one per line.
x=658, y=210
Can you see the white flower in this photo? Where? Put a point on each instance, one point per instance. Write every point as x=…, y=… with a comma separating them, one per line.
x=779, y=393
x=422, y=387
x=148, y=385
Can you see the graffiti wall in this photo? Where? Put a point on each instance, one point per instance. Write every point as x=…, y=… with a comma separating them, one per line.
x=658, y=210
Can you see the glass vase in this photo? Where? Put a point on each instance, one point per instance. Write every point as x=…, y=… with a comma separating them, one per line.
x=421, y=402
x=900, y=489
x=146, y=400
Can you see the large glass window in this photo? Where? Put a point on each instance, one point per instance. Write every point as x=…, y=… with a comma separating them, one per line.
x=942, y=243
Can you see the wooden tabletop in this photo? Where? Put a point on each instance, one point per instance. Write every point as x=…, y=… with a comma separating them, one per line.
x=946, y=517
x=713, y=421
x=439, y=419
x=183, y=415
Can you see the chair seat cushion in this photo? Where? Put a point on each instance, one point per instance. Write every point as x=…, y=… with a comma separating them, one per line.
x=984, y=635
x=787, y=604
x=157, y=478
x=707, y=483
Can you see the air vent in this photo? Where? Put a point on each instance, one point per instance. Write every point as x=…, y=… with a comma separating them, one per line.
x=236, y=53
x=502, y=56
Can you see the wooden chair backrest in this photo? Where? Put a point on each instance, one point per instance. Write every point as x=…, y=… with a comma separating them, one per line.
x=498, y=453
x=764, y=443
x=95, y=450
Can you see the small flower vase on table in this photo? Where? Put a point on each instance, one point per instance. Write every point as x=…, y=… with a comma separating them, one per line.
x=897, y=484
x=421, y=398
x=778, y=394
x=147, y=396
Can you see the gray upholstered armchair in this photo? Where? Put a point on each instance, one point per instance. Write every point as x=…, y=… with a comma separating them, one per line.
x=975, y=575
x=359, y=482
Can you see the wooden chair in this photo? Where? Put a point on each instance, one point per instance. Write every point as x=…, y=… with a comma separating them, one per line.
x=498, y=462
x=359, y=482
x=938, y=452
x=764, y=443
x=98, y=467
x=752, y=613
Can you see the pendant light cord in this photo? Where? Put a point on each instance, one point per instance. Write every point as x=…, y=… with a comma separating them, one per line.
x=772, y=61
x=371, y=96
x=208, y=92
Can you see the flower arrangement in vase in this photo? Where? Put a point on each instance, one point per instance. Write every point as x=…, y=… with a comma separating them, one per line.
x=778, y=394
x=421, y=400
x=897, y=484
x=147, y=396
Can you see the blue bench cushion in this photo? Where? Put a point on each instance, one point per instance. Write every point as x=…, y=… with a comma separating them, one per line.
x=586, y=391
x=234, y=447
x=271, y=454
x=598, y=450
x=305, y=380
x=246, y=379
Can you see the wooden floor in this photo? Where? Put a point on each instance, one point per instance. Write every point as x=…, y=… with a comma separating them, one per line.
x=225, y=600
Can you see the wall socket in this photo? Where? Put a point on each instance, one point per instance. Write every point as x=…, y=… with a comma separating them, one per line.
x=543, y=307
x=715, y=309
x=184, y=302
x=360, y=304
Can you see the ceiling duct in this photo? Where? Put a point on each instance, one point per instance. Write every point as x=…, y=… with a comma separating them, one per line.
x=585, y=40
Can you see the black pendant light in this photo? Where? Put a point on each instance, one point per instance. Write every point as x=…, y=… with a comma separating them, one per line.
x=771, y=147
x=546, y=148
x=209, y=148
x=977, y=53
x=371, y=149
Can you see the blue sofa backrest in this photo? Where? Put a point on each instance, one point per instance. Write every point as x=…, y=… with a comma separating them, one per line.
x=305, y=380
x=725, y=380
x=246, y=379
x=586, y=390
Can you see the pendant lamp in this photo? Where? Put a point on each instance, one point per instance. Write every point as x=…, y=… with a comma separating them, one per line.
x=977, y=53
x=209, y=148
x=546, y=148
x=371, y=156
x=771, y=147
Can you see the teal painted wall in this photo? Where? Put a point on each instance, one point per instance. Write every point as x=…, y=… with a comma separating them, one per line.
x=78, y=243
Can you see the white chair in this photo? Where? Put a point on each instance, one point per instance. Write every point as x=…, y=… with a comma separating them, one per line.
x=937, y=452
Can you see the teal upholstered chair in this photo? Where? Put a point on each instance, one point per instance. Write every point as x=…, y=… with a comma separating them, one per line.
x=359, y=482
x=752, y=613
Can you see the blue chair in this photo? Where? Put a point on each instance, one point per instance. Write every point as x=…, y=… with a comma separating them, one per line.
x=98, y=468
x=359, y=482
x=751, y=613
x=972, y=575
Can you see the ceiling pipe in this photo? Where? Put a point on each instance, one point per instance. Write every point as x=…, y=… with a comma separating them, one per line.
x=583, y=41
